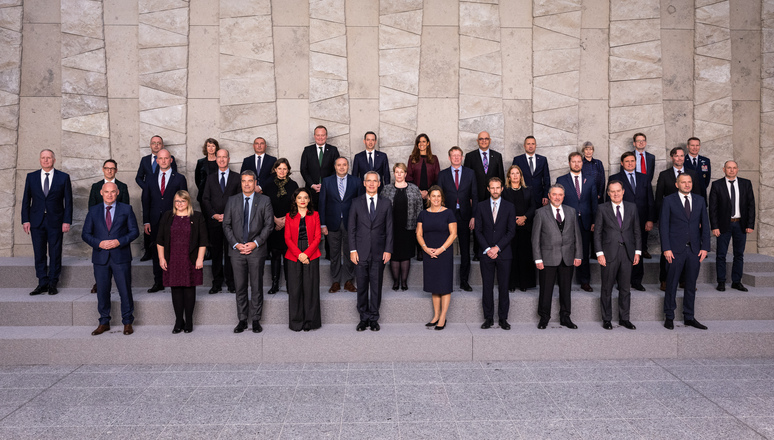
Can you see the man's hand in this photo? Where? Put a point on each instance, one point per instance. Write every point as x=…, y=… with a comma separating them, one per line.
x=424, y=193
x=577, y=262
x=636, y=260
x=749, y=230
x=521, y=220
x=540, y=266
x=592, y=228
x=26, y=227
x=353, y=257
x=702, y=255
x=316, y=187
x=147, y=228
x=492, y=252
x=716, y=232
x=386, y=257
x=325, y=230
x=545, y=201
x=258, y=189
x=65, y=227
x=648, y=226
x=472, y=223
x=603, y=262
x=669, y=256
x=218, y=217
x=109, y=244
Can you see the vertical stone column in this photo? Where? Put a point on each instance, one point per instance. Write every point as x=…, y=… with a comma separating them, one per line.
x=593, y=124
x=765, y=199
x=163, y=70
x=556, y=75
x=10, y=76
x=328, y=83
x=481, y=75
x=636, y=90
x=400, y=31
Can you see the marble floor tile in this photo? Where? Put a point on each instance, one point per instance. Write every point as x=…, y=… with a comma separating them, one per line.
x=371, y=377
x=314, y=413
x=269, y=431
x=365, y=393
x=487, y=430
x=428, y=430
x=310, y=431
x=374, y=411
x=370, y=431
x=190, y=432
x=319, y=394
x=133, y=432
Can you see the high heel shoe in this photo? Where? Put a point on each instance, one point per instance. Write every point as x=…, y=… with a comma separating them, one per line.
x=188, y=327
x=431, y=324
x=396, y=285
x=403, y=286
x=178, y=328
x=440, y=327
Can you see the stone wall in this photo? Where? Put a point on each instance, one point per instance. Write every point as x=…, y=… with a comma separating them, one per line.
x=93, y=79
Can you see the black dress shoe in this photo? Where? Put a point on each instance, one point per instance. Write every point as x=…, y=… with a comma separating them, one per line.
x=146, y=257
x=639, y=287
x=396, y=285
x=214, y=290
x=242, y=326
x=695, y=324
x=94, y=289
x=586, y=287
x=257, y=327
x=504, y=324
x=662, y=286
x=488, y=323
x=669, y=324
x=274, y=289
x=431, y=324
x=681, y=285
x=156, y=288
x=523, y=289
x=52, y=290
x=721, y=287
x=607, y=325
x=403, y=286
x=542, y=324
x=646, y=255
x=465, y=286
x=375, y=326
x=40, y=289
x=627, y=324
x=738, y=286
x=361, y=326
x=568, y=323
x=475, y=257
x=178, y=328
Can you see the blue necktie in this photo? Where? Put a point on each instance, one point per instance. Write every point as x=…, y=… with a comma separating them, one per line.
x=631, y=180
x=370, y=161
x=46, y=186
x=246, y=226
x=257, y=169
x=373, y=209
x=153, y=164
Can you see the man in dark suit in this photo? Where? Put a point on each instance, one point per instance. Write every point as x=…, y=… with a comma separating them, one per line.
x=247, y=222
x=219, y=188
x=460, y=190
x=370, y=240
x=685, y=241
x=534, y=168
x=145, y=172
x=260, y=163
x=495, y=228
x=617, y=241
x=646, y=162
x=700, y=165
x=732, y=216
x=110, y=228
x=556, y=247
x=47, y=213
x=157, y=198
x=371, y=160
x=336, y=197
x=637, y=190
x=317, y=162
x=485, y=163
x=666, y=186
x=581, y=195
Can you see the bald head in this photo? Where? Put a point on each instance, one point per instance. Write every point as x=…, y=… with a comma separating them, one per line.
x=164, y=159
x=109, y=192
x=484, y=140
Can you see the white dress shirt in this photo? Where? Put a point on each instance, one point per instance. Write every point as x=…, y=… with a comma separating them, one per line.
x=43, y=178
x=736, y=190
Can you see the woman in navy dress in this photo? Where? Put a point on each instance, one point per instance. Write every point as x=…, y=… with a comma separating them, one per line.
x=436, y=231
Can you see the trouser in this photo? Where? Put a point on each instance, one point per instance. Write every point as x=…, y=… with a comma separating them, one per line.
x=488, y=267
x=370, y=272
x=689, y=262
x=339, y=247
x=47, y=245
x=122, y=273
x=617, y=270
x=739, y=237
x=219, y=252
x=248, y=266
x=548, y=277
x=304, y=294
x=463, y=237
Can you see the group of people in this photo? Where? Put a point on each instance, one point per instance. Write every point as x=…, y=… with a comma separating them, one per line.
x=521, y=225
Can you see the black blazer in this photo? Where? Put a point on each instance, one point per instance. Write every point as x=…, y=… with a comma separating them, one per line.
x=197, y=238
x=467, y=194
x=680, y=233
x=608, y=235
x=154, y=204
x=720, y=205
x=498, y=233
x=95, y=198
x=665, y=186
x=703, y=169
x=370, y=238
x=214, y=200
x=538, y=182
x=473, y=161
x=145, y=170
x=381, y=166
x=642, y=196
x=311, y=170
x=266, y=165
x=333, y=209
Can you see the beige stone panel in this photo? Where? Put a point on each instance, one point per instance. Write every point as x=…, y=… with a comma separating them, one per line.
x=710, y=130
x=391, y=38
x=393, y=6
x=553, y=137
x=96, y=124
x=549, y=7
x=241, y=140
x=11, y=18
x=639, y=92
x=439, y=65
x=342, y=143
x=290, y=12
x=40, y=126
x=706, y=34
x=247, y=90
x=720, y=111
x=330, y=10
x=156, y=60
x=544, y=39
x=333, y=46
x=236, y=117
x=82, y=17
x=401, y=117
x=481, y=55
x=517, y=114
x=746, y=14
x=767, y=100
x=567, y=23
x=203, y=72
x=7, y=136
x=480, y=20
x=474, y=106
x=321, y=88
x=480, y=84
x=393, y=136
x=747, y=134
x=493, y=124
x=407, y=82
x=124, y=118
x=161, y=5
x=398, y=60
x=239, y=29
x=593, y=126
x=677, y=14
x=122, y=60
x=547, y=62
x=634, y=9
x=75, y=44
x=320, y=30
x=712, y=70
x=566, y=83
x=173, y=20
x=170, y=137
x=594, y=64
x=42, y=11
x=677, y=63
x=154, y=37
x=410, y=21
x=438, y=117
x=122, y=12
x=9, y=98
x=565, y=119
x=720, y=50
x=706, y=91
x=174, y=81
x=93, y=61
x=9, y=117
x=292, y=68
x=746, y=65
x=335, y=109
x=622, y=69
x=596, y=14
x=262, y=50
x=546, y=100
x=363, y=117
x=232, y=67
x=79, y=169
x=363, y=72
x=242, y=8
x=716, y=14
x=204, y=13
x=442, y=12
x=202, y=124
x=152, y=98
x=634, y=31
x=623, y=118
x=517, y=63
x=83, y=82
x=391, y=99
x=40, y=60
x=678, y=118
x=327, y=66
x=86, y=146
x=172, y=118
x=80, y=105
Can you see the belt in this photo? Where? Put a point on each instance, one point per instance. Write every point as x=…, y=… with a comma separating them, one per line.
x=734, y=220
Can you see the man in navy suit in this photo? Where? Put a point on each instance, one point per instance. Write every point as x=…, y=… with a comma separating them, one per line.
x=371, y=160
x=535, y=170
x=460, y=190
x=581, y=195
x=700, y=165
x=145, y=172
x=47, y=213
x=260, y=163
x=486, y=163
x=370, y=240
x=495, y=228
x=110, y=228
x=645, y=164
x=336, y=195
x=685, y=241
x=636, y=190
x=157, y=198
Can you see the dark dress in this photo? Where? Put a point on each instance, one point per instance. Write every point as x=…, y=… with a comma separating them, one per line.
x=438, y=272
x=404, y=240
x=522, y=265
x=281, y=206
x=204, y=168
x=180, y=271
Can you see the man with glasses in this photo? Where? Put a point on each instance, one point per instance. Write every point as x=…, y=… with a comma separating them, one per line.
x=148, y=166
x=645, y=163
x=485, y=163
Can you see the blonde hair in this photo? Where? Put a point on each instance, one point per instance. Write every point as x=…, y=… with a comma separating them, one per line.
x=400, y=165
x=187, y=197
x=522, y=184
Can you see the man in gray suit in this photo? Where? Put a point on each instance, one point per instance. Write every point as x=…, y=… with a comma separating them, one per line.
x=618, y=241
x=556, y=247
x=247, y=222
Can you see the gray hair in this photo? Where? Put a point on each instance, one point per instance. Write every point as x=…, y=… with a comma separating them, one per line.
x=378, y=177
x=586, y=145
x=557, y=186
x=50, y=151
x=249, y=173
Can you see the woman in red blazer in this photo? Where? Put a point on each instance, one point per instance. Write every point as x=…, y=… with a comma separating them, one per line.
x=423, y=166
x=302, y=235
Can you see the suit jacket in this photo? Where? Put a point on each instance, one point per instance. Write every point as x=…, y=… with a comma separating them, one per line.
x=642, y=195
x=95, y=197
x=381, y=166
x=196, y=239
x=370, y=238
x=123, y=228
x=264, y=175
x=677, y=230
x=55, y=209
x=500, y=232
x=261, y=222
x=720, y=205
x=586, y=206
x=552, y=245
x=311, y=170
x=473, y=161
x=145, y=171
x=313, y=235
x=414, y=171
x=214, y=200
x=703, y=170
x=608, y=236
x=154, y=204
x=650, y=165
x=467, y=194
x=540, y=181
x=332, y=208
x=665, y=186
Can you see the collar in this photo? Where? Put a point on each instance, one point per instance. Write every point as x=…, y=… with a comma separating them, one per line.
x=675, y=170
x=43, y=172
x=453, y=168
x=246, y=196
x=527, y=155
x=320, y=146
x=574, y=174
x=109, y=181
x=482, y=151
x=105, y=205
x=693, y=157
x=735, y=180
x=682, y=196
x=556, y=207
x=259, y=155
x=616, y=204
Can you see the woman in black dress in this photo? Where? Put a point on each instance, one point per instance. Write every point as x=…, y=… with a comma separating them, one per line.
x=422, y=169
x=205, y=166
x=522, y=264
x=436, y=231
x=280, y=191
x=406, y=205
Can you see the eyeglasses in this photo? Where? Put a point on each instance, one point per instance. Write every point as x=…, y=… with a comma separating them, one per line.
x=157, y=143
x=484, y=139
x=109, y=168
x=181, y=201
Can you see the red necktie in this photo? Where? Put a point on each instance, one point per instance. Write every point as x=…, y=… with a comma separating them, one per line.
x=643, y=170
x=108, y=219
x=163, y=183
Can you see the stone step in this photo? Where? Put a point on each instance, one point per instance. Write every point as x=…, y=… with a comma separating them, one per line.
x=758, y=279
x=395, y=342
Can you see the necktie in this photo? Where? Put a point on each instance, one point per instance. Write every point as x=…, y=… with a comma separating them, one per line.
x=631, y=181
x=246, y=220
x=618, y=216
x=643, y=170
x=370, y=161
x=457, y=178
x=223, y=181
x=341, y=188
x=486, y=163
x=320, y=155
x=373, y=209
x=46, y=186
x=153, y=163
x=558, y=216
x=494, y=211
x=577, y=187
x=531, y=166
x=733, y=199
x=257, y=167
x=163, y=182
x=687, y=207
x=694, y=163
x=108, y=219
x=679, y=172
